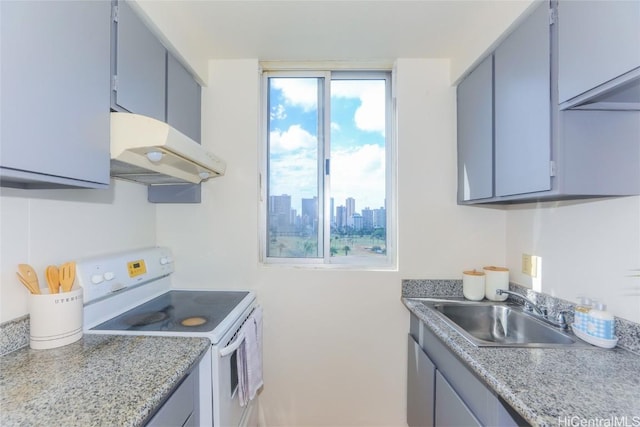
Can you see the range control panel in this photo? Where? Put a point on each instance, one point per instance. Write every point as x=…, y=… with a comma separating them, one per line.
x=136, y=268
x=103, y=275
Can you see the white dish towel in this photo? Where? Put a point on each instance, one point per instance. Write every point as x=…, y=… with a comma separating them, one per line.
x=249, y=357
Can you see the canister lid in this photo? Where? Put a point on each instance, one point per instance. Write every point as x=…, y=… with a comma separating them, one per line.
x=473, y=273
x=494, y=268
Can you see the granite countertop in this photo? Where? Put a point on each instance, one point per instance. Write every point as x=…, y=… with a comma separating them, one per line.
x=99, y=380
x=550, y=386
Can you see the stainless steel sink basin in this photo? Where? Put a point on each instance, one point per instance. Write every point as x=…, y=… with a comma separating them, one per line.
x=501, y=325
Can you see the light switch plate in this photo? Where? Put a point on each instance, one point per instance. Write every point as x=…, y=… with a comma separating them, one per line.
x=530, y=265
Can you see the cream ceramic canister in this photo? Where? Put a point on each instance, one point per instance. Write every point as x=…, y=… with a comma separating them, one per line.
x=473, y=285
x=496, y=278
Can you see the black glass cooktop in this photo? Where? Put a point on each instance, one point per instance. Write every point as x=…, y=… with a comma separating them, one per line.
x=177, y=311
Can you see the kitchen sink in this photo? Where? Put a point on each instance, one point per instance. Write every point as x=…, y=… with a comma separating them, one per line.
x=491, y=324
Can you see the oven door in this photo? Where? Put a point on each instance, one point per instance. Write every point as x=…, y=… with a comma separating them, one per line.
x=229, y=412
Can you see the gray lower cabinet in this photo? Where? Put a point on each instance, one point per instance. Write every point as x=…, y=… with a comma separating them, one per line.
x=599, y=41
x=55, y=94
x=451, y=410
x=182, y=407
x=420, y=387
x=442, y=391
x=140, y=66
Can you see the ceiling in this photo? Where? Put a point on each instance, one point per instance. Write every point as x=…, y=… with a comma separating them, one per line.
x=320, y=30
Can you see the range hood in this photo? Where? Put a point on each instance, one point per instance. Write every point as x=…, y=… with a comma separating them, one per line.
x=151, y=152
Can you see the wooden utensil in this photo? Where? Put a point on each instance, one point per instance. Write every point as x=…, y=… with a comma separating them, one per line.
x=26, y=284
x=29, y=278
x=67, y=275
x=53, y=279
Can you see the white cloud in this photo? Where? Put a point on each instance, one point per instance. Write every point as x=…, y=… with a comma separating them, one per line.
x=370, y=115
x=278, y=112
x=299, y=92
x=359, y=173
x=295, y=174
x=294, y=164
x=335, y=127
x=292, y=139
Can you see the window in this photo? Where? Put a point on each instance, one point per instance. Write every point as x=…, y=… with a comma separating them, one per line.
x=327, y=168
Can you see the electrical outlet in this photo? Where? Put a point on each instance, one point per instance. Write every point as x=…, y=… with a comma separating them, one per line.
x=530, y=265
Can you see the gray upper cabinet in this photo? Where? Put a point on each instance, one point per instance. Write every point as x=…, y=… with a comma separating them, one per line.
x=599, y=41
x=540, y=151
x=55, y=94
x=523, y=108
x=183, y=100
x=184, y=114
x=150, y=81
x=140, y=66
x=475, y=133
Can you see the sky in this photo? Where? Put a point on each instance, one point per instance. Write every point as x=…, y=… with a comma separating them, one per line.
x=357, y=140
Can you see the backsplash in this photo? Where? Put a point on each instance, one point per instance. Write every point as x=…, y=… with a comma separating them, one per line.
x=628, y=332
x=14, y=335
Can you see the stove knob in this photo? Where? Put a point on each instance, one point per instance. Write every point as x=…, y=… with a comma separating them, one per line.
x=109, y=275
x=97, y=279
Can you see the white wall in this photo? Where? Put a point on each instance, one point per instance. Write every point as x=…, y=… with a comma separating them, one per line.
x=480, y=38
x=335, y=341
x=42, y=227
x=587, y=247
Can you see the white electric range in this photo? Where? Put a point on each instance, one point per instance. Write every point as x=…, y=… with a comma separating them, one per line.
x=130, y=293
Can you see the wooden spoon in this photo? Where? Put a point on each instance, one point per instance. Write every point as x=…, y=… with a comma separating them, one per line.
x=67, y=275
x=53, y=279
x=25, y=283
x=29, y=278
x=28, y=274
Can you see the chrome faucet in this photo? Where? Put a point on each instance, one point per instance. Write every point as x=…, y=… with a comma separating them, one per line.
x=537, y=311
x=529, y=305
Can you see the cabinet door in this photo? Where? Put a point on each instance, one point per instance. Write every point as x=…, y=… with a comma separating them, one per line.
x=523, y=108
x=475, y=133
x=598, y=41
x=451, y=410
x=179, y=409
x=55, y=121
x=420, y=387
x=183, y=100
x=140, y=66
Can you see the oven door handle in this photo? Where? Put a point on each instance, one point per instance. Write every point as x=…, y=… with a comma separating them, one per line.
x=232, y=347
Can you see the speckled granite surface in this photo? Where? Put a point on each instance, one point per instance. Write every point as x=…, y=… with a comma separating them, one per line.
x=431, y=288
x=549, y=387
x=101, y=380
x=14, y=334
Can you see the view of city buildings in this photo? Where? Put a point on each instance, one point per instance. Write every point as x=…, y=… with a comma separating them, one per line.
x=294, y=233
x=284, y=220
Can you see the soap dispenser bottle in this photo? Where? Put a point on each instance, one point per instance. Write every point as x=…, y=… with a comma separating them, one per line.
x=601, y=323
x=581, y=313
